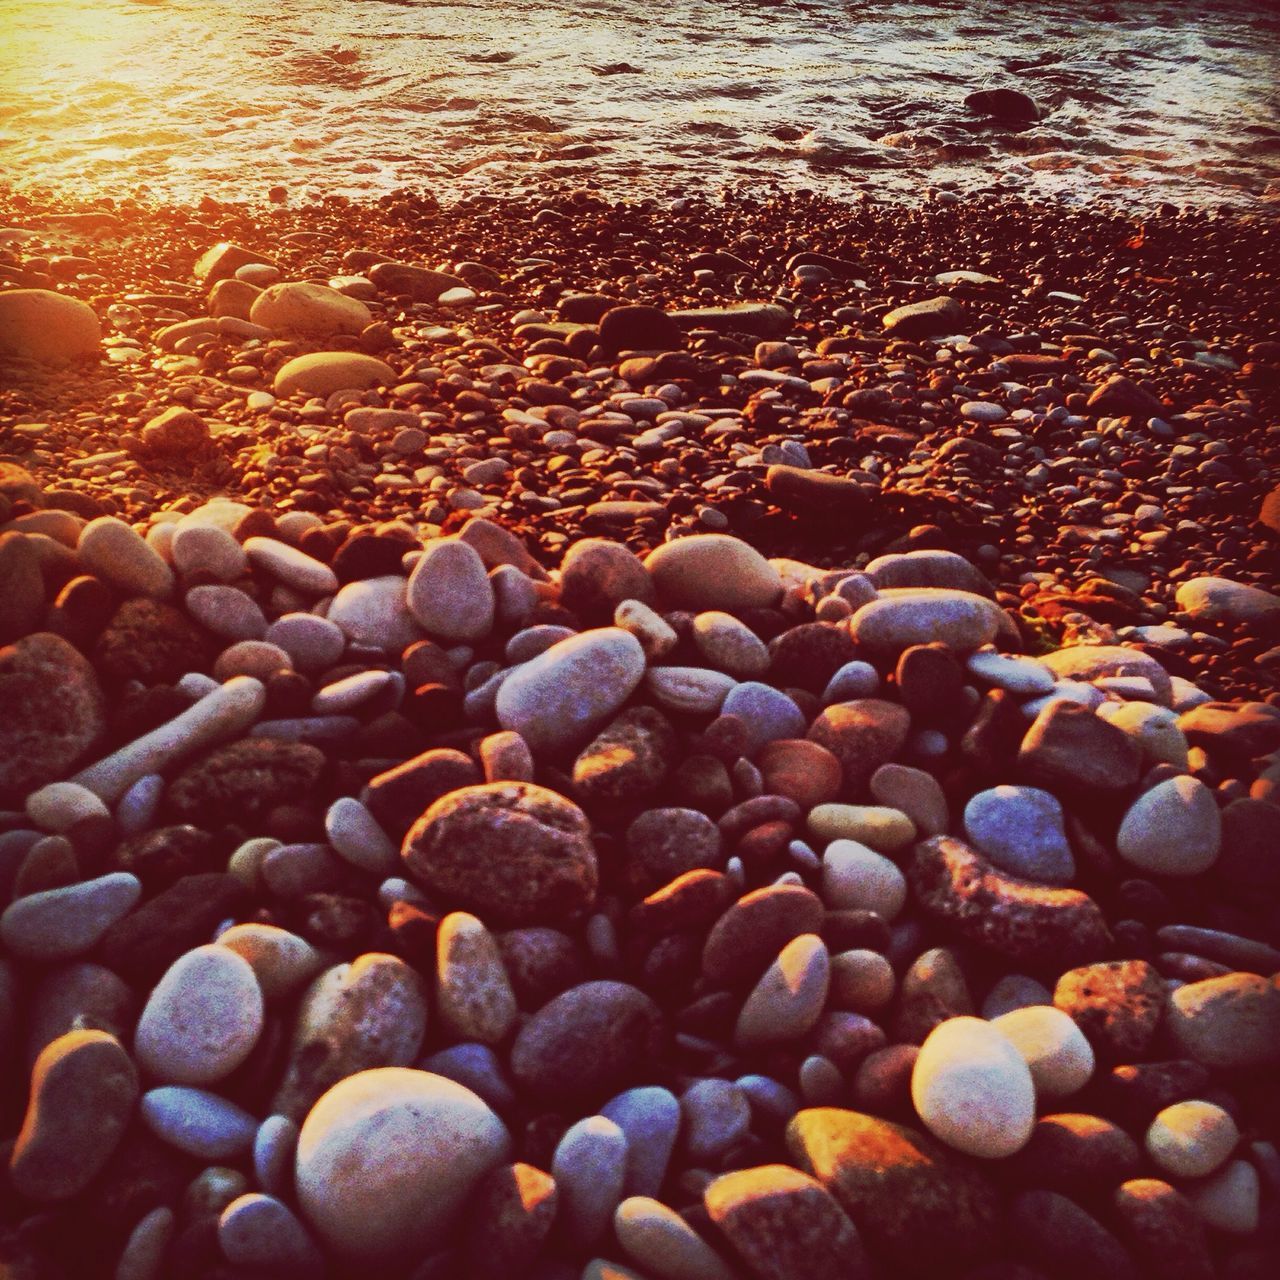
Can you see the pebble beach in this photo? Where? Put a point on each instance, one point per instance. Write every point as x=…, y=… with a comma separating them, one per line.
x=676, y=739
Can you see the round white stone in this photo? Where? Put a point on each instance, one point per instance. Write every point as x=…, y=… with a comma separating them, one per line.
x=387, y=1158
x=1053, y=1047
x=973, y=1090
x=203, y=1018
x=1174, y=829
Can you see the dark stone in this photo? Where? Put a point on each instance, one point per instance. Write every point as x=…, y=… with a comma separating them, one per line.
x=639, y=328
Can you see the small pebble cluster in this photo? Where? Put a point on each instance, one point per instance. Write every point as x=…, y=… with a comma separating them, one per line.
x=461, y=896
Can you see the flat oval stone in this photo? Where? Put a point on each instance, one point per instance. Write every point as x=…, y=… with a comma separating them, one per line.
x=206, y=548
x=1021, y=830
x=83, y=1091
x=449, y=593
x=517, y=852
x=862, y=735
x=650, y=1118
x=695, y=691
x=587, y=1041
x=1022, y=676
x=589, y=1168
x=201, y=1123
x=1174, y=829
x=58, y=924
x=752, y=932
x=40, y=324
x=323, y=372
x=1192, y=1139
x=925, y=615
x=294, y=568
x=387, y=1159
x=117, y=553
x=973, y=1089
x=375, y=613
x=789, y=997
x=1231, y=1021
x=561, y=697
x=713, y=571
x=202, y=1020
x=854, y=876
x=473, y=994
x=1054, y=1048
x=312, y=310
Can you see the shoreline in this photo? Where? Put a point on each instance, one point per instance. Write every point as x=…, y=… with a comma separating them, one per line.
x=746, y=743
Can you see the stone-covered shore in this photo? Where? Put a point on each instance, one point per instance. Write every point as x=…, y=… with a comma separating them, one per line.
x=681, y=741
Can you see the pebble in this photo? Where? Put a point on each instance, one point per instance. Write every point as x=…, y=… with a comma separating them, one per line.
x=519, y=853
x=58, y=806
x=716, y=1115
x=355, y=834
x=202, y=1019
x=1054, y=1048
x=1212, y=599
x=387, y=1159
x=1118, y=1004
x=915, y=1204
x=649, y=1116
x=39, y=324
x=206, y=548
x=473, y=995
x=323, y=372
x=854, y=876
x=257, y=1230
x=1023, y=922
x=589, y=1168
x=1230, y=1200
x=973, y=1089
x=881, y=828
x=219, y=715
x=305, y=574
x=789, y=998
x=694, y=691
x=1231, y=1021
x=713, y=571
x=226, y=611
x=83, y=1092
x=144, y=1251
x=767, y=713
x=449, y=593
x=274, y=1146
x=59, y=924
x=508, y=1220
x=1174, y=829
x=117, y=553
x=312, y=643
x=903, y=617
x=862, y=735
x=309, y=310
x=587, y=1042
x=557, y=700
x=913, y=792
x=1191, y=1139
x=281, y=961
x=1021, y=830
x=375, y=613
x=366, y=1014
x=730, y=645
x=1155, y=730
x=862, y=981
x=782, y=1223
x=200, y=1123
x=658, y=1239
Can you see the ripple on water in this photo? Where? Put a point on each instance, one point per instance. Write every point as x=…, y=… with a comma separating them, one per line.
x=363, y=97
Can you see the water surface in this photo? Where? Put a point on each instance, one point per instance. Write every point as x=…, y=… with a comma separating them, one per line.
x=1141, y=102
